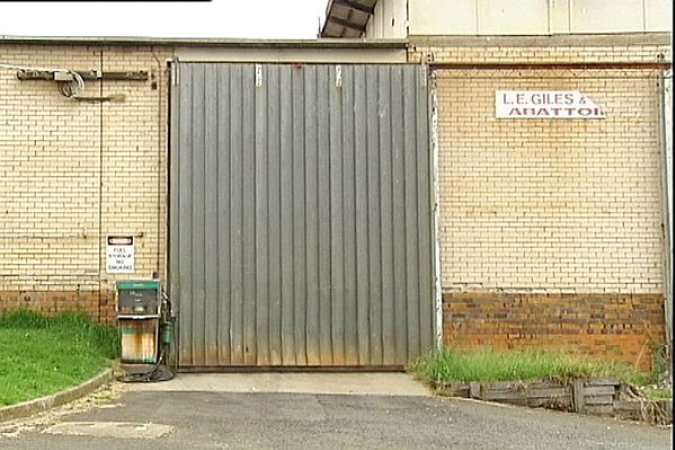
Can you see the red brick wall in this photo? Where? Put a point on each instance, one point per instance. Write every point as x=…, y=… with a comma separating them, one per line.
x=99, y=305
x=627, y=327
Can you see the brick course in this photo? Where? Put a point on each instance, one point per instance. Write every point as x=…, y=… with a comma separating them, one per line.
x=99, y=305
x=627, y=327
x=579, y=49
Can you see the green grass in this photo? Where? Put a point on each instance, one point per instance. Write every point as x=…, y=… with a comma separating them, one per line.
x=487, y=365
x=41, y=355
x=657, y=394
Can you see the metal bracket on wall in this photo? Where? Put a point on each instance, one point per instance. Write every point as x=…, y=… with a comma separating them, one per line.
x=173, y=68
x=90, y=75
x=338, y=76
x=70, y=83
x=258, y=75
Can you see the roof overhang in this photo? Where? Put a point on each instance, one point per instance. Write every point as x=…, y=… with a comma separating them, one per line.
x=347, y=18
x=209, y=42
x=319, y=51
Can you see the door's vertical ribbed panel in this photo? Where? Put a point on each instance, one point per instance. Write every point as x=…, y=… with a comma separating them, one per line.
x=301, y=212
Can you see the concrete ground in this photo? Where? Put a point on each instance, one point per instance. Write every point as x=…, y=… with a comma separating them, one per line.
x=358, y=383
x=317, y=411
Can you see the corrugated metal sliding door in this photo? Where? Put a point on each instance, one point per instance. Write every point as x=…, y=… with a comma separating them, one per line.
x=301, y=218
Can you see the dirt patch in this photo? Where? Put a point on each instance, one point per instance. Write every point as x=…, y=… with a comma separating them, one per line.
x=107, y=396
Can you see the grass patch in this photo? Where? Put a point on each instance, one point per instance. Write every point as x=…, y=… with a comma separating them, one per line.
x=41, y=355
x=485, y=365
x=657, y=394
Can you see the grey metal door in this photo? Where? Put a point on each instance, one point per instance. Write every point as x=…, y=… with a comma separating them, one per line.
x=301, y=215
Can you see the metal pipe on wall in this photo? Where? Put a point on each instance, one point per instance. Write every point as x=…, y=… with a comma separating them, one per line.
x=665, y=112
x=438, y=294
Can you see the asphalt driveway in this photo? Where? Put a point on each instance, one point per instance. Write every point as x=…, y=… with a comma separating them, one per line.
x=217, y=419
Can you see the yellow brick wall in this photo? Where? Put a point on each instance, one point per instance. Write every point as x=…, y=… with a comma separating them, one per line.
x=550, y=230
x=548, y=205
x=73, y=172
x=135, y=155
x=553, y=206
x=569, y=205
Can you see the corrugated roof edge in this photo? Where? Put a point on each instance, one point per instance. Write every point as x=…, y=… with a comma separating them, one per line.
x=215, y=42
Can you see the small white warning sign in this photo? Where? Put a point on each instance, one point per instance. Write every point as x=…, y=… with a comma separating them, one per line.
x=119, y=254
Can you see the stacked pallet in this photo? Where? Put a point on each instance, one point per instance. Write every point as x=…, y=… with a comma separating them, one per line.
x=594, y=396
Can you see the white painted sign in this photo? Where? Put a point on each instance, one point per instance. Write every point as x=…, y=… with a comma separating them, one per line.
x=545, y=105
x=119, y=254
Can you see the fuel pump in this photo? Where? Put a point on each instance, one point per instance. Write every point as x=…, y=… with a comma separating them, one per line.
x=146, y=329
